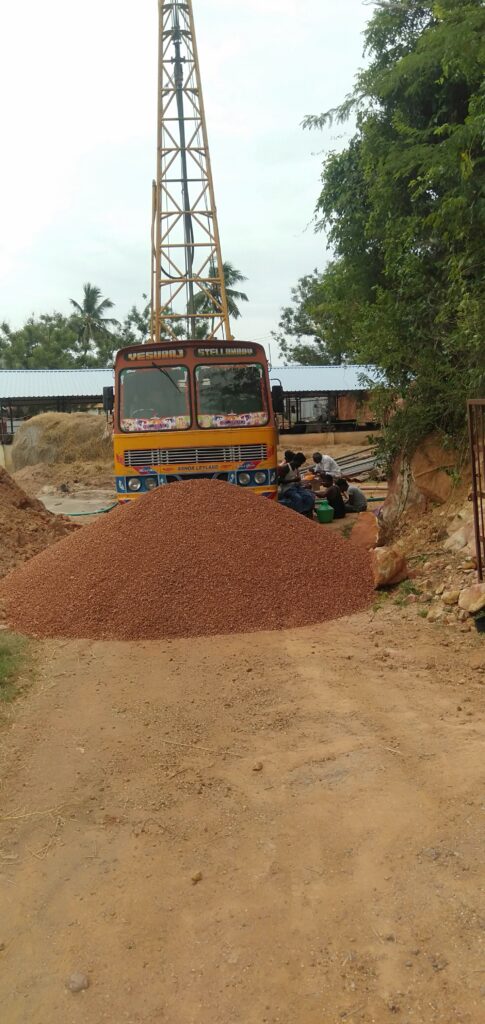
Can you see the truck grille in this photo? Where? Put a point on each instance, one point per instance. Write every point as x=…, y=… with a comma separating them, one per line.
x=190, y=456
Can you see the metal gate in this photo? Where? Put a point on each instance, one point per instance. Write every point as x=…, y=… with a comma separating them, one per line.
x=476, y=426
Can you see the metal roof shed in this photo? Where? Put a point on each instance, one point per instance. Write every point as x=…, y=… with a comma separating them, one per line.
x=38, y=387
x=322, y=380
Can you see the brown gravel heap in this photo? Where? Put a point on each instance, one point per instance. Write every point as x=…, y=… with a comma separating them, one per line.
x=26, y=527
x=191, y=559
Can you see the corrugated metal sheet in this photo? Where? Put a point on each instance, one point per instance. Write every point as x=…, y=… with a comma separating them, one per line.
x=312, y=379
x=17, y=384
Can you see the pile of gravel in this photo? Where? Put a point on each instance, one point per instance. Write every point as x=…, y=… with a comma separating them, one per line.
x=195, y=558
x=26, y=527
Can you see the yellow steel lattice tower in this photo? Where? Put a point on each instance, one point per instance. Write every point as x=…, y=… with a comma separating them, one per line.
x=188, y=290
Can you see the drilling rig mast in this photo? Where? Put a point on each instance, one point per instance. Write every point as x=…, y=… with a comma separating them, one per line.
x=188, y=290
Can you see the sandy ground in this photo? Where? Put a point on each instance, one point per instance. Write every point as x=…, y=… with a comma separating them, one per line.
x=309, y=443
x=266, y=829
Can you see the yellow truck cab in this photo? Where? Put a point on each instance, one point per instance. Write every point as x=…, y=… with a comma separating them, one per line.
x=191, y=410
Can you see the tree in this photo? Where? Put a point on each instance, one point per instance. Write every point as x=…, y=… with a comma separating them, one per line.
x=404, y=210
x=96, y=343
x=202, y=303
x=136, y=326
x=45, y=342
x=300, y=336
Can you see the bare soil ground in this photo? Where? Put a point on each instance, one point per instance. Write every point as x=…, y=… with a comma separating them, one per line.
x=309, y=443
x=281, y=828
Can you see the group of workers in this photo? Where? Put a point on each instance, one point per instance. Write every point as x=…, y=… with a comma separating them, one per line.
x=298, y=494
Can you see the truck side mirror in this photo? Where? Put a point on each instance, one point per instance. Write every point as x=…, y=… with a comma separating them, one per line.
x=277, y=397
x=108, y=399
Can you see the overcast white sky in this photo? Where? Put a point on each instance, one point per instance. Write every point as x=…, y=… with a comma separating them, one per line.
x=77, y=121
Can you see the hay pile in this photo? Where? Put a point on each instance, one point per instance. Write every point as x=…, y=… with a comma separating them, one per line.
x=192, y=559
x=26, y=527
x=62, y=437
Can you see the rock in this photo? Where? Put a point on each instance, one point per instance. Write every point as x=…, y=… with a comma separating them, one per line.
x=402, y=494
x=429, y=466
x=258, y=767
x=389, y=567
x=450, y=597
x=439, y=963
x=436, y=613
x=472, y=599
x=462, y=615
x=440, y=590
x=77, y=982
x=197, y=877
x=457, y=541
x=365, y=531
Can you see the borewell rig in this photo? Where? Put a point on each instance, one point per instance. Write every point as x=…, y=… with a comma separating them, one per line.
x=188, y=293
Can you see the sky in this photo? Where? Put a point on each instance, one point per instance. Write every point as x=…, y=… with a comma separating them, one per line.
x=78, y=126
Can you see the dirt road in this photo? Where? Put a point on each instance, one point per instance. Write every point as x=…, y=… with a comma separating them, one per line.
x=270, y=828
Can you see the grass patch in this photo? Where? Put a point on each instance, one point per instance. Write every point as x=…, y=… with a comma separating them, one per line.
x=13, y=651
x=408, y=587
x=380, y=599
x=405, y=588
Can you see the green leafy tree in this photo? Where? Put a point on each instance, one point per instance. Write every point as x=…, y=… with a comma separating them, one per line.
x=404, y=210
x=96, y=340
x=45, y=342
x=300, y=335
x=136, y=327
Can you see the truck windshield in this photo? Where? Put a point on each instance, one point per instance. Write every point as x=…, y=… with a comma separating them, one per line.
x=155, y=398
x=231, y=396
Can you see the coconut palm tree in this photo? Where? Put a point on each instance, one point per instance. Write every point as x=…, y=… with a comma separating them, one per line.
x=89, y=320
x=231, y=277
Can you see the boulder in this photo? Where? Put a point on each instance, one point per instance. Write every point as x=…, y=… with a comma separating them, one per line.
x=430, y=469
x=457, y=541
x=365, y=530
x=389, y=567
x=450, y=597
x=472, y=599
x=463, y=539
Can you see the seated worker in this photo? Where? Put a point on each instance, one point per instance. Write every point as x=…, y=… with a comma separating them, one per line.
x=333, y=494
x=288, y=457
x=325, y=464
x=292, y=493
x=355, y=500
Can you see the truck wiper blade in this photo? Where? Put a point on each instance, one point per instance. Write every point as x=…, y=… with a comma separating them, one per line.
x=167, y=375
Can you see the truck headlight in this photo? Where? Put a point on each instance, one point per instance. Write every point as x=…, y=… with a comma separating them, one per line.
x=260, y=477
x=150, y=483
x=134, y=484
x=244, y=479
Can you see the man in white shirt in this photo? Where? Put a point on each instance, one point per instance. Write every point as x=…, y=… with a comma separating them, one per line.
x=323, y=464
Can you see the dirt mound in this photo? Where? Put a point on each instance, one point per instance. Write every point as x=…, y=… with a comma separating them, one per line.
x=26, y=527
x=195, y=558
x=72, y=476
x=61, y=437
